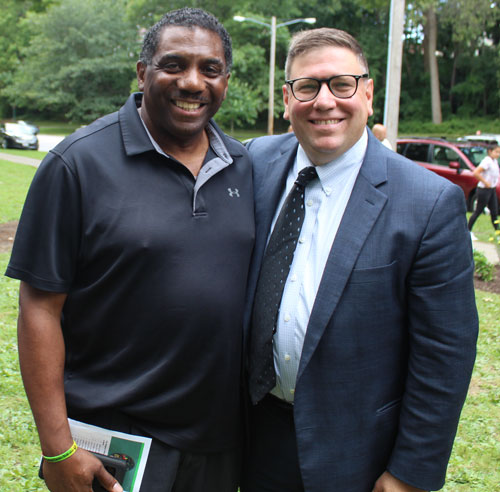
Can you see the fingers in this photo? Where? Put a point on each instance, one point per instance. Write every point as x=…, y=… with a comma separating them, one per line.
x=108, y=481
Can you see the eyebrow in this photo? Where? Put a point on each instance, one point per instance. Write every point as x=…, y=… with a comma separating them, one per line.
x=168, y=57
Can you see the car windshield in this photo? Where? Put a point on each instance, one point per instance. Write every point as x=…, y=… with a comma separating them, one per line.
x=17, y=129
x=475, y=154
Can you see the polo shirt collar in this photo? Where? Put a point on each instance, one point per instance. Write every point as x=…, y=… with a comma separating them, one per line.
x=137, y=139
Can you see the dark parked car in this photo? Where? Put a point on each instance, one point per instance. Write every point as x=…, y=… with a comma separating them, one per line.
x=453, y=160
x=18, y=136
x=29, y=126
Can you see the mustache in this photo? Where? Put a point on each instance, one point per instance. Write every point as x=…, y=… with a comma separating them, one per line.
x=191, y=96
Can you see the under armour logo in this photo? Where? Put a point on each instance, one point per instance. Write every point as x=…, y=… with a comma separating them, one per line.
x=234, y=192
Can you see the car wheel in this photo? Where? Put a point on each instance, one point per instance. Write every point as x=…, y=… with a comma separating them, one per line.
x=5, y=144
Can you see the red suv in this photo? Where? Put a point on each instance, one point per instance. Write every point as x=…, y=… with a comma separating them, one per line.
x=453, y=160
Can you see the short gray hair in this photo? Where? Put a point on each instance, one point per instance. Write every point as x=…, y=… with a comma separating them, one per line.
x=191, y=18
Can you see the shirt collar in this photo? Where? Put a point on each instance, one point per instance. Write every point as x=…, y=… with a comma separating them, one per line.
x=215, y=141
x=353, y=159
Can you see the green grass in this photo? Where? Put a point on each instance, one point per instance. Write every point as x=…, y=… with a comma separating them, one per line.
x=483, y=230
x=32, y=154
x=451, y=128
x=57, y=128
x=14, y=183
x=476, y=453
x=19, y=453
x=473, y=465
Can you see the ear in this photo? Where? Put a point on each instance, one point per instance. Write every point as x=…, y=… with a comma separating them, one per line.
x=369, y=96
x=286, y=114
x=227, y=85
x=141, y=74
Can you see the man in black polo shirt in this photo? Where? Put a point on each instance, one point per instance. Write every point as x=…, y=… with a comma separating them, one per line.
x=133, y=251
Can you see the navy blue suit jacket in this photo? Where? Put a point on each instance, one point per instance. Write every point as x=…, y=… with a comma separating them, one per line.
x=390, y=344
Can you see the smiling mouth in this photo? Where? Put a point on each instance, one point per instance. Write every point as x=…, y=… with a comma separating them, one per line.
x=326, y=122
x=188, y=106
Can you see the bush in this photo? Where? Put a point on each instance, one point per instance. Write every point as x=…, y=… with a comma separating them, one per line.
x=483, y=268
x=451, y=128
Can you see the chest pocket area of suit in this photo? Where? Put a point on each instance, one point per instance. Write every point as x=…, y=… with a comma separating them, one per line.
x=374, y=291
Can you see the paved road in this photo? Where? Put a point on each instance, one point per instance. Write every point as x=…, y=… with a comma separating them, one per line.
x=47, y=142
x=489, y=250
x=19, y=159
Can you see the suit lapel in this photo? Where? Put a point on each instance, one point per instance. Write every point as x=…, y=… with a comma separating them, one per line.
x=269, y=188
x=364, y=206
x=269, y=183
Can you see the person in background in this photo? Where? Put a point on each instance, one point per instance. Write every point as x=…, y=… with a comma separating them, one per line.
x=133, y=252
x=487, y=173
x=361, y=315
x=380, y=132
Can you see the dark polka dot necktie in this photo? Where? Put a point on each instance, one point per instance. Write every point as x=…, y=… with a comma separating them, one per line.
x=273, y=274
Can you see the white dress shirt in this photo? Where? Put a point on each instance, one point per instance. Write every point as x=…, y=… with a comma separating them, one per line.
x=325, y=201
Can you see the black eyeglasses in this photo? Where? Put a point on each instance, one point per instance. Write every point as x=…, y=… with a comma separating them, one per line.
x=341, y=86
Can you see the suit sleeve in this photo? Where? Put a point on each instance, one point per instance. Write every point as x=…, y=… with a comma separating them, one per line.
x=443, y=328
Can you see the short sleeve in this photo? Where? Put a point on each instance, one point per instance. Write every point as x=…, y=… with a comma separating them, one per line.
x=46, y=245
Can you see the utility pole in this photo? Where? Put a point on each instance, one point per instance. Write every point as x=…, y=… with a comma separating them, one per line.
x=272, y=58
x=394, y=64
x=272, y=61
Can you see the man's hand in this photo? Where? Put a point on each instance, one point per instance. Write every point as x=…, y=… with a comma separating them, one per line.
x=389, y=483
x=77, y=473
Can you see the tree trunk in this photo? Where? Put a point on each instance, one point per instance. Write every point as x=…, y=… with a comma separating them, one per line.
x=430, y=54
x=453, y=80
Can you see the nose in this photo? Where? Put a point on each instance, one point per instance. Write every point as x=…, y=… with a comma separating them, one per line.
x=325, y=99
x=191, y=80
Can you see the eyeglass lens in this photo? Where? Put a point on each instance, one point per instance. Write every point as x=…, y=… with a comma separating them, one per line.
x=343, y=86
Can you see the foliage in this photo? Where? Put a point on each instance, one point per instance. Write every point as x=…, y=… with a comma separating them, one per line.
x=483, y=268
x=241, y=106
x=19, y=449
x=473, y=464
x=73, y=59
x=476, y=452
x=79, y=62
x=14, y=39
x=474, y=460
x=452, y=128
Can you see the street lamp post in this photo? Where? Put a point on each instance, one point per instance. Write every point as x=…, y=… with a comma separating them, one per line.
x=272, y=58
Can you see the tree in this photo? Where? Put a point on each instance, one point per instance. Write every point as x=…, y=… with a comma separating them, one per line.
x=468, y=35
x=245, y=97
x=430, y=30
x=13, y=38
x=79, y=62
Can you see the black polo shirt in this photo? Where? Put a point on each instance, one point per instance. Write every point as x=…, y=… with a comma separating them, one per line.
x=155, y=265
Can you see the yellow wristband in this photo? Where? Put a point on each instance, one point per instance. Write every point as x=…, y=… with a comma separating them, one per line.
x=62, y=456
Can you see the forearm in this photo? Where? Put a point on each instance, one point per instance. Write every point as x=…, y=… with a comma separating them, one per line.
x=389, y=483
x=478, y=174
x=41, y=358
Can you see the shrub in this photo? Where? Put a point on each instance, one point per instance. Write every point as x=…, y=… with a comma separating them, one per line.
x=483, y=268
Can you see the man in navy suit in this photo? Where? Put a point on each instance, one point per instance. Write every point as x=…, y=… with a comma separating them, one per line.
x=374, y=340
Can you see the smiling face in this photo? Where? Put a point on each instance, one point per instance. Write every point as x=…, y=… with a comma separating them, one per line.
x=184, y=85
x=327, y=126
x=494, y=153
